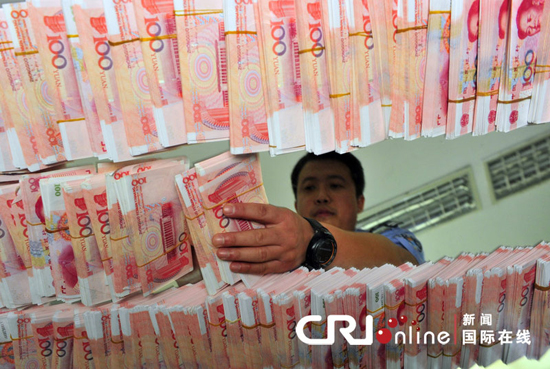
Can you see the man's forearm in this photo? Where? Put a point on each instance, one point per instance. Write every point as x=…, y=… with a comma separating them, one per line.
x=281, y=246
x=366, y=250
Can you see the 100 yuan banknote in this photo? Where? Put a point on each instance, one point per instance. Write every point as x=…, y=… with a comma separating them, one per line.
x=54, y=50
x=203, y=64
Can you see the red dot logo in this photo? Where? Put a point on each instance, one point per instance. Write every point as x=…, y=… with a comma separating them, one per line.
x=402, y=320
x=383, y=336
x=392, y=323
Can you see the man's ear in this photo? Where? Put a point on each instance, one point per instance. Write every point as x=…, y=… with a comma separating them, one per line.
x=360, y=203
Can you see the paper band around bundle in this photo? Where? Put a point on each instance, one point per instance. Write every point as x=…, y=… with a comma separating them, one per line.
x=320, y=48
x=258, y=325
x=118, y=239
x=375, y=311
x=416, y=28
x=513, y=101
x=249, y=326
x=364, y=34
x=435, y=356
x=71, y=120
x=26, y=53
x=80, y=237
x=118, y=43
x=183, y=13
x=541, y=288
x=490, y=93
x=198, y=215
x=393, y=307
x=543, y=69
x=6, y=49
x=240, y=33
x=165, y=37
x=20, y=339
x=35, y=224
x=319, y=324
x=336, y=96
x=460, y=101
x=216, y=325
x=274, y=147
x=56, y=230
x=453, y=355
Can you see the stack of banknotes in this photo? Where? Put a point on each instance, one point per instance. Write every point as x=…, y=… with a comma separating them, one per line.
x=93, y=236
x=89, y=256
x=481, y=307
x=117, y=79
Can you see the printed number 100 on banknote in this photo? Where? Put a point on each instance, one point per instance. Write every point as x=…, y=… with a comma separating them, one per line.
x=247, y=110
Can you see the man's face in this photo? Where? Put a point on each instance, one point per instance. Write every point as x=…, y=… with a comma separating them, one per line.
x=326, y=193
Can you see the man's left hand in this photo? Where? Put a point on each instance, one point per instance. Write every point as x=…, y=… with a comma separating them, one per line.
x=279, y=247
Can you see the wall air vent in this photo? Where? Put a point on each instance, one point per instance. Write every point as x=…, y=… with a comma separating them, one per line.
x=520, y=168
x=432, y=204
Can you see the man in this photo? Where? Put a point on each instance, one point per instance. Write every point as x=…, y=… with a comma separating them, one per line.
x=329, y=190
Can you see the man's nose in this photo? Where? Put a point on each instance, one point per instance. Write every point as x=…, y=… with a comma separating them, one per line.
x=322, y=196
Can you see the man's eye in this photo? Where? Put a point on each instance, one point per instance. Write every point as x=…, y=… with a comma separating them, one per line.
x=308, y=188
x=336, y=185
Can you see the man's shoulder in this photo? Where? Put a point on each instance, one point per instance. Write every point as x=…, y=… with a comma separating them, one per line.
x=400, y=236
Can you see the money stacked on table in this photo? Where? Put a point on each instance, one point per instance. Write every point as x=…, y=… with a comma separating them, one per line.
x=488, y=306
x=115, y=80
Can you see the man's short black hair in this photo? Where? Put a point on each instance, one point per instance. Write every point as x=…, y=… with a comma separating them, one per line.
x=350, y=161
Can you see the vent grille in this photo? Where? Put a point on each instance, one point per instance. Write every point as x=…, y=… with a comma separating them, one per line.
x=523, y=167
x=434, y=203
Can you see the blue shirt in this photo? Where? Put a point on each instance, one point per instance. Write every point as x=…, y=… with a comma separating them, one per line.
x=404, y=238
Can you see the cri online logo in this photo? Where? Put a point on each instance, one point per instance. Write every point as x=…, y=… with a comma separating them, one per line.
x=383, y=335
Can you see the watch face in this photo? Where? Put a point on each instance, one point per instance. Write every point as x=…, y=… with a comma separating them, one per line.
x=324, y=251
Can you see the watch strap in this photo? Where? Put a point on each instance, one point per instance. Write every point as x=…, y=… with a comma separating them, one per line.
x=320, y=235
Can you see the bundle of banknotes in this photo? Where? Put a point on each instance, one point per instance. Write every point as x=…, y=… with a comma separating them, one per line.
x=117, y=79
x=97, y=235
x=475, y=308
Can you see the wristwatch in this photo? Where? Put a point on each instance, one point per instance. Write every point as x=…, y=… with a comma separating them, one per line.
x=321, y=250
